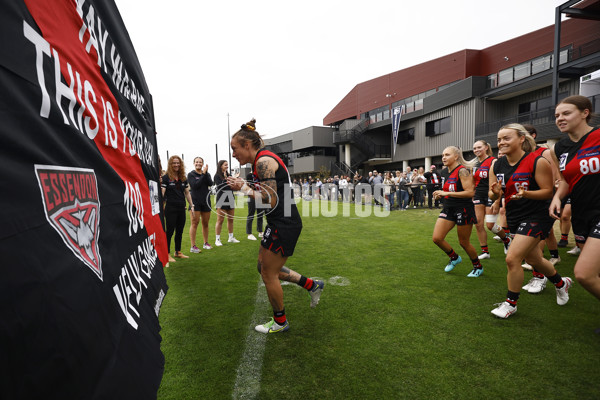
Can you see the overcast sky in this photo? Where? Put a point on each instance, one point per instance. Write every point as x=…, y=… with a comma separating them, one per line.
x=289, y=64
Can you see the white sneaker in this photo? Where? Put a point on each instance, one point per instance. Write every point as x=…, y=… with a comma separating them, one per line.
x=218, y=242
x=504, y=310
x=232, y=240
x=497, y=238
x=483, y=256
x=528, y=285
x=507, y=245
x=537, y=285
x=562, y=294
x=207, y=246
x=260, y=235
x=272, y=327
x=251, y=237
x=315, y=293
x=555, y=260
x=574, y=251
x=527, y=266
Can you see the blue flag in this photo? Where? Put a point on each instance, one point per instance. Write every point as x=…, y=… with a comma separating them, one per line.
x=396, y=115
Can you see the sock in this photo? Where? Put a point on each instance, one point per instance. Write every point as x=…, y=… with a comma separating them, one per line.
x=476, y=263
x=553, y=253
x=452, y=254
x=564, y=236
x=217, y=237
x=556, y=279
x=230, y=235
x=506, y=239
x=279, y=316
x=485, y=249
x=512, y=298
x=537, y=274
x=506, y=231
x=306, y=283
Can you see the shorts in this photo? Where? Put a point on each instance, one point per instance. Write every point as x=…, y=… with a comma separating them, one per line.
x=480, y=199
x=565, y=201
x=585, y=228
x=201, y=208
x=533, y=229
x=460, y=215
x=278, y=239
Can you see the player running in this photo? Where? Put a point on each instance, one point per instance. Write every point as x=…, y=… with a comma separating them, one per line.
x=528, y=188
x=578, y=158
x=273, y=188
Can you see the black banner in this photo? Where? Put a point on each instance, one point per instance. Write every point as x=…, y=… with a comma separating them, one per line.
x=81, y=238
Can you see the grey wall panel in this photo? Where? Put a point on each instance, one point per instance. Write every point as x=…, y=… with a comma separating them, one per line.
x=311, y=164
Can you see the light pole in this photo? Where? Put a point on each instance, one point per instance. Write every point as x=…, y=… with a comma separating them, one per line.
x=229, y=144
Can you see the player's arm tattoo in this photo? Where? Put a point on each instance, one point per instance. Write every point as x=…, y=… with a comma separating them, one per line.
x=266, y=175
x=464, y=172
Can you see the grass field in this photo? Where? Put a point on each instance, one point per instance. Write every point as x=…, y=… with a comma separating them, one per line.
x=391, y=323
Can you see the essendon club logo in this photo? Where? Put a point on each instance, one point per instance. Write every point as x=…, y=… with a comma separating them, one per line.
x=70, y=198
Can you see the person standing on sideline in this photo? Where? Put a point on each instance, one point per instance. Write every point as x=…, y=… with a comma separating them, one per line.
x=579, y=165
x=525, y=181
x=175, y=191
x=457, y=192
x=283, y=222
x=200, y=182
x=252, y=209
x=434, y=182
x=225, y=203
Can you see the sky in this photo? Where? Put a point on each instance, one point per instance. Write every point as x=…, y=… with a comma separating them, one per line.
x=210, y=64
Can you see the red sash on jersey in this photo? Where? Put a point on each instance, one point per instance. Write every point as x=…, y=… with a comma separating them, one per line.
x=585, y=162
x=483, y=171
x=270, y=154
x=451, y=184
x=539, y=150
x=522, y=177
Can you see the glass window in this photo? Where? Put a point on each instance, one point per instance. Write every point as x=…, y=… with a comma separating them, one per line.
x=505, y=76
x=522, y=70
x=439, y=126
x=386, y=114
x=492, y=81
x=541, y=64
x=410, y=107
x=563, y=56
x=419, y=104
x=430, y=92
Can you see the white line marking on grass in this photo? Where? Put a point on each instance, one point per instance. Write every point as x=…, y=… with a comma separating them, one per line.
x=247, y=381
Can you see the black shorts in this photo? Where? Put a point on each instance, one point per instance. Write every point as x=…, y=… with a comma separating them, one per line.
x=281, y=240
x=481, y=199
x=460, y=215
x=533, y=229
x=585, y=228
x=201, y=207
x=565, y=201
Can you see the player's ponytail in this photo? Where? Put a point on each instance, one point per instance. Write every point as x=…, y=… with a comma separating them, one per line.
x=248, y=133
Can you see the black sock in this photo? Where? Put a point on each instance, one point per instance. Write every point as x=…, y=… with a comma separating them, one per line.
x=306, y=283
x=556, y=279
x=452, y=254
x=553, y=253
x=485, y=249
x=476, y=263
x=279, y=316
x=512, y=298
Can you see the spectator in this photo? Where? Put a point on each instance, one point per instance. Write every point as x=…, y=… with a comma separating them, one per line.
x=225, y=203
x=434, y=182
x=200, y=182
x=175, y=191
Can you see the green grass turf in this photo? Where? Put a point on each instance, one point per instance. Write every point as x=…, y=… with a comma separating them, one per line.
x=401, y=329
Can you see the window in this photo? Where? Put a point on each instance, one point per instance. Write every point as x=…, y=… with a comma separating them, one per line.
x=522, y=70
x=541, y=64
x=406, y=135
x=505, y=77
x=438, y=126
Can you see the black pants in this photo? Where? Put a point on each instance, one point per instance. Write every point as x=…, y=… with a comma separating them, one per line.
x=430, y=190
x=259, y=215
x=175, y=221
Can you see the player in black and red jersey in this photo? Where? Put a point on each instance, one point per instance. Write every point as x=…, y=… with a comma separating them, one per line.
x=457, y=192
x=578, y=159
x=525, y=179
x=273, y=189
x=538, y=281
x=483, y=205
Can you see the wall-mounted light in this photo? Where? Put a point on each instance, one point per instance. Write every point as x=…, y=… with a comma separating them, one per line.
x=505, y=58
